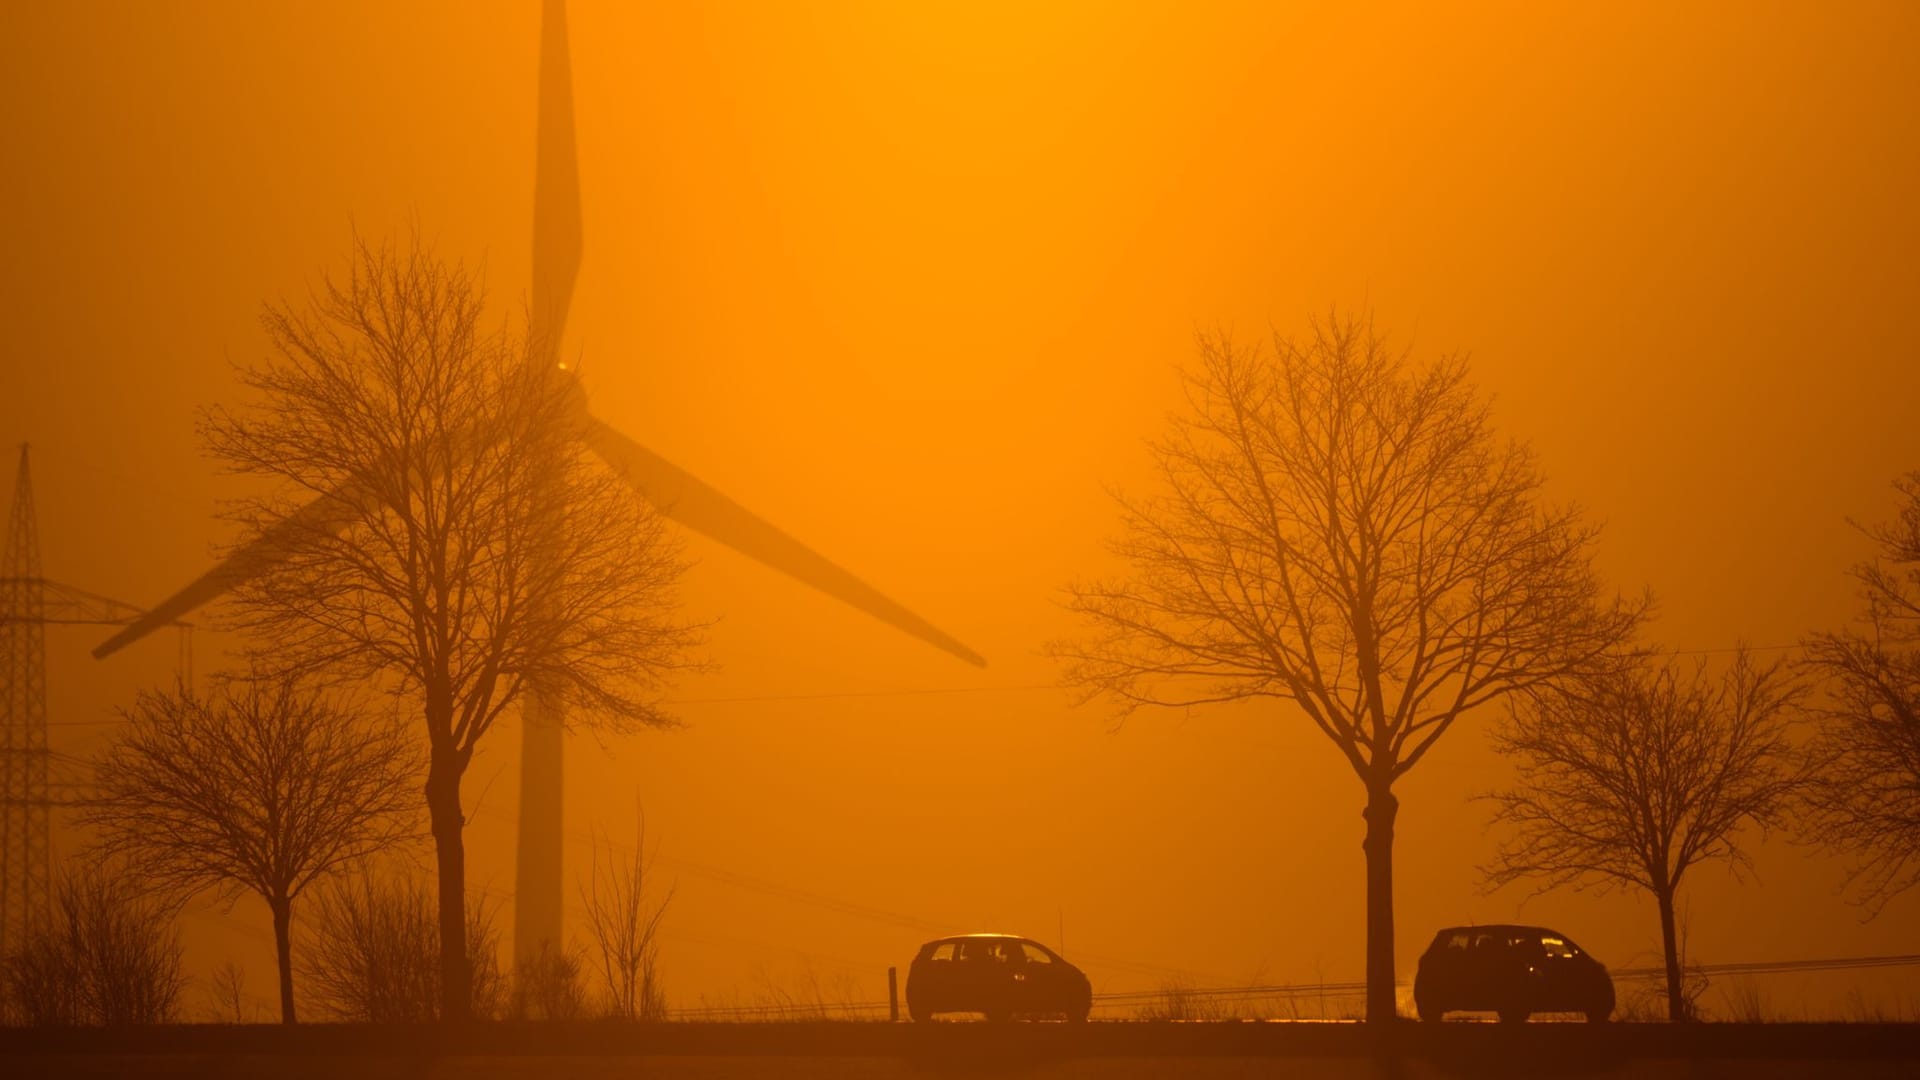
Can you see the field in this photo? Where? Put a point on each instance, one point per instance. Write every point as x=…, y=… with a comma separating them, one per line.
x=1039, y=1051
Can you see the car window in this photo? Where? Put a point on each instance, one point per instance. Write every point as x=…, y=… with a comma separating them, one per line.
x=1036, y=955
x=990, y=951
x=1557, y=946
x=1457, y=942
x=943, y=951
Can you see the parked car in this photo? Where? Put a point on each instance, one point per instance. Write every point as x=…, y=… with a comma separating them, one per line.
x=998, y=975
x=1514, y=971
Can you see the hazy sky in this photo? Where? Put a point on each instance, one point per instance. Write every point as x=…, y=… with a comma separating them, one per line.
x=914, y=282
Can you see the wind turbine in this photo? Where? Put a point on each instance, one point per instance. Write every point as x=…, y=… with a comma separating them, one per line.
x=674, y=492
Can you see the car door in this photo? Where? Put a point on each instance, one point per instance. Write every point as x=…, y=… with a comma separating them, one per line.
x=1446, y=969
x=1563, y=981
x=1484, y=972
x=1006, y=975
x=937, y=979
x=986, y=972
x=1042, y=980
x=972, y=976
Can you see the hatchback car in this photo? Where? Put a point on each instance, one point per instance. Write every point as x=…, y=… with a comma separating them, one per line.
x=1514, y=971
x=998, y=975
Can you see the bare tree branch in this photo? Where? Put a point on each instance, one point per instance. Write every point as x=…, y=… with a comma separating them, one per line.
x=264, y=786
x=1867, y=800
x=1340, y=529
x=1631, y=775
x=464, y=547
x=624, y=921
x=373, y=953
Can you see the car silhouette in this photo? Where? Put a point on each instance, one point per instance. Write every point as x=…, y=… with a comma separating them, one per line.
x=998, y=975
x=1514, y=971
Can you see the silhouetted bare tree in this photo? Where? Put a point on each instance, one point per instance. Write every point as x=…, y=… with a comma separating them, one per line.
x=462, y=547
x=374, y=954
x=262, y=786
x=112, y=955
x=1867, y=799
x=227, y=994
x=625, y=924
x=1631, y=776
x=1342, y=531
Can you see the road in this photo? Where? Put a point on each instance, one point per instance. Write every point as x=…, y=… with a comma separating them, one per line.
x=862, y=1051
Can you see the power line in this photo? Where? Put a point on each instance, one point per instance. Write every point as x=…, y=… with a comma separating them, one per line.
x=1777, y=967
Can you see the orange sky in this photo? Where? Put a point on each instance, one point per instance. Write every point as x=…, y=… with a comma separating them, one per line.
x=912, y=281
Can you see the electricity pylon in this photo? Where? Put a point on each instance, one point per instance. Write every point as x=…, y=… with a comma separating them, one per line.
x=26, y=900
x=28, y=604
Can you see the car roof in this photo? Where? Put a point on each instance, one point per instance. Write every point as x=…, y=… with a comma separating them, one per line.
x=1502, y=927
x=955, y=938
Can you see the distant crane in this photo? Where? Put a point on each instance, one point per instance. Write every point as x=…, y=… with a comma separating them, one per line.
x=30, y=603
x=676, y=493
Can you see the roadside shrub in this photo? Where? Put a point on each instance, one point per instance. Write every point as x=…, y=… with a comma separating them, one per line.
x=111, y=957
x=373, y=953
x=549, y=986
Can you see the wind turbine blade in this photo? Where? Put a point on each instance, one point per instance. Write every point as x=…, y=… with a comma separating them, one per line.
x=329, y=514
x=683, y=497
x=556, y=190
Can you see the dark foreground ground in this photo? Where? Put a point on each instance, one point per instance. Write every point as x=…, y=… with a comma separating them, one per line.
x=862, y=1051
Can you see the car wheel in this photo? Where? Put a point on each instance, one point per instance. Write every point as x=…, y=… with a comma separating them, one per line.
x=997, y=1016
x=1426, y=1010
x=1515, y=1014
x=1600, y=1016
x=1078, y=1014
x=919, y=1015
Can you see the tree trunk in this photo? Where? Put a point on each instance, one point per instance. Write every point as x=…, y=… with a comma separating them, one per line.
x=1669, y=941
x=283, y=952
x=1382, y=1004
x=443, y=808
